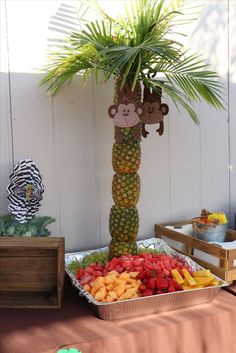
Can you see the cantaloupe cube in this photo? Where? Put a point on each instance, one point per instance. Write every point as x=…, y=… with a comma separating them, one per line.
x=113, y=294
x=120, y=289
x=101, y=293
x=99, y=282
x=111, y=278
x=125, y=276
x=113, y=272
x=133, y=274
x=128, y=294
x=110, y=287
x=87, y=288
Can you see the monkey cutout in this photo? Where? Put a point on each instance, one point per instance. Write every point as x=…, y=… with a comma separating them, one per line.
x=153, y=111
x=126, y=113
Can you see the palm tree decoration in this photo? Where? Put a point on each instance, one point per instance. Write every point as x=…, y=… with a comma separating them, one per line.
x=137, y=50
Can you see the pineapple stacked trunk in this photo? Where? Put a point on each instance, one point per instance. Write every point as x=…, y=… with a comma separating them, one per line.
x=124, y=218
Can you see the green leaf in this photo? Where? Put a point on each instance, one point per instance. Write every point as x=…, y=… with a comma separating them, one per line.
x=131, y=45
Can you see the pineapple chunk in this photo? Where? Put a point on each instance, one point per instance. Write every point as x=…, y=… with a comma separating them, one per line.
x=177, y=276
x=189, y=278
x=203, y=280
x=202, y=273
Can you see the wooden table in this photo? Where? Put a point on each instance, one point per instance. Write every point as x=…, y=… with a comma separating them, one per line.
x=232, y=288
x=208, y=328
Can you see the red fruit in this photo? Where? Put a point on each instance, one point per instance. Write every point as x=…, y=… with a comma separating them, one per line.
x=141, y=275
x=142, y=288
x=125, y=262
x=161, y=283
x=138, y=268
x=97, y=273
x=159, y=292
x=89, y=270
x=138, y=262
x=171, y=289
x=79, y=273
x=119, y=268
x=145, y=280
x=148, y=292
x=153, y=273
x=166, y=272
x=147, y=274
x=85, y=279
x=152, y=283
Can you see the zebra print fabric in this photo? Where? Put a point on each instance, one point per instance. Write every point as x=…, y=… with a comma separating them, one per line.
x=25, y=190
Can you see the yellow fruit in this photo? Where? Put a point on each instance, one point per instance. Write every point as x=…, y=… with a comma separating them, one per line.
x=177, y=276
x=189, y=278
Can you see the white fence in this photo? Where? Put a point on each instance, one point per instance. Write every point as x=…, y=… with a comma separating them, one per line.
x=70, y=136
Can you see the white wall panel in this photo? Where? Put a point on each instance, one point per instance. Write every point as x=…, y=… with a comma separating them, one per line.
x=211, y=38
x=76, y=171
x=5, y=113
x=232, y=107
x=70, y=135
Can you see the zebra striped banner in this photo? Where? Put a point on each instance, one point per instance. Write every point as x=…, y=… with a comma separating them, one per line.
x=25, y=190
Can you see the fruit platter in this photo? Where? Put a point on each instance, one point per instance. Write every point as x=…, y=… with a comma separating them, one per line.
x=156, y=279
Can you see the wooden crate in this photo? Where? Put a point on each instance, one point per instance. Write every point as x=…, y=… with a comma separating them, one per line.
x=226, y=268
x=32, y=272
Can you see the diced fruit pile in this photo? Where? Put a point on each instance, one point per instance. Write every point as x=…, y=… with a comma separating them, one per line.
x=115, y=286
x=132, y=276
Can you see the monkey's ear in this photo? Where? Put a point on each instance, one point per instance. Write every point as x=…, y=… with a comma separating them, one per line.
x=112, y=111
x=164, y=109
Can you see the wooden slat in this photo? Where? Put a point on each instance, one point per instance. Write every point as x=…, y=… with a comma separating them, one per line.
x=33, y=299
x=60, y=272
x=190, y=241
x=37, y=264
x=34, y=242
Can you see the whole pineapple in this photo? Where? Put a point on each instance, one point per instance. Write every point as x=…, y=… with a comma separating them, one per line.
x=124, y=219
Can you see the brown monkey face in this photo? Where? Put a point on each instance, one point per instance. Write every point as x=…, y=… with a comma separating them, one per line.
x=126, y=115
x=153, y=112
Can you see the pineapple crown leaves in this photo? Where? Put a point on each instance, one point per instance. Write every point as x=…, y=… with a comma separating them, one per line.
x=132, y=45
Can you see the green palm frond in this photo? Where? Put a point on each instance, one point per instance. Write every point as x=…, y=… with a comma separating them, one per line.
x=135, y=43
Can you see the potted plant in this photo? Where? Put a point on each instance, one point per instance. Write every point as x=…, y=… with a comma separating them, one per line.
x=139, y=52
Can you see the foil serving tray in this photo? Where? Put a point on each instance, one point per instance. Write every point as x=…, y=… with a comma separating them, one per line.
x=146, y=305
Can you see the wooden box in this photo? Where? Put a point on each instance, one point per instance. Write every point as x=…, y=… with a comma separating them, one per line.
x=31, y=272
x=224, y=260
